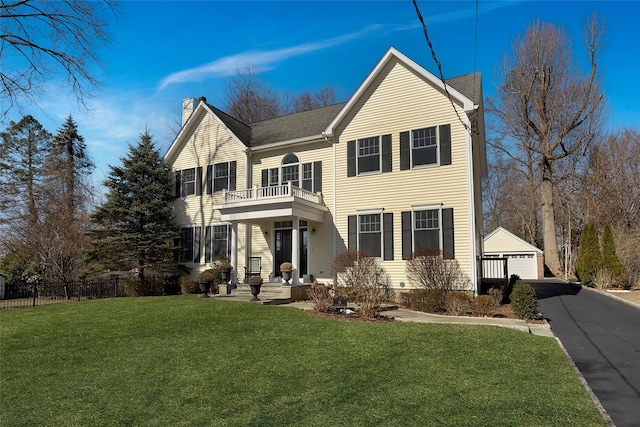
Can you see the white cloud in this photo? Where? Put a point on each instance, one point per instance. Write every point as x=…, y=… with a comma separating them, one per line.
x=264, y=60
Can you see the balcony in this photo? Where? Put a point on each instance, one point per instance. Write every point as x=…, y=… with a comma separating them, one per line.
x=257, y=204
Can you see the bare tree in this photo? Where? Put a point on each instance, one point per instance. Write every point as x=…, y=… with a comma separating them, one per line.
x=548, y=111
x=41, y=40
x=249, y=99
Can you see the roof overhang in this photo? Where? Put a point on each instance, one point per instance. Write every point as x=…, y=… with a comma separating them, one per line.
x=262, y=210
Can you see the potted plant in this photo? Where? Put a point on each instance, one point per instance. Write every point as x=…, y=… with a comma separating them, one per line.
x=205, y=280
x=225, y=271
x=286, y=268
x=255, y=282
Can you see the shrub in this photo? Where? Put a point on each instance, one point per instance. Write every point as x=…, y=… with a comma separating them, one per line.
x=435, y=269
x=524, y=301
x=603, y=279
x=457, y=303
x=610, y=260
x=425, y=300
x=589, y=255
x=321, y=297
x=208, y=276
x=485, y=305
x=359, y=277
x=189, y=286
x=496, y=293
x=137, y=288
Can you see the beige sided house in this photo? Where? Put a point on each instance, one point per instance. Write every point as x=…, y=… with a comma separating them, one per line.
x=394, y=169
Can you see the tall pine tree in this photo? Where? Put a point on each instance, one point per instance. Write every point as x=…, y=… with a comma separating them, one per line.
x=25, y=146
x=134, y=227
x=610, y=260
x=589, y=255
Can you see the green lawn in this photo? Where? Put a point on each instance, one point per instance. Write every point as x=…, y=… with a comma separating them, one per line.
x=170, y=361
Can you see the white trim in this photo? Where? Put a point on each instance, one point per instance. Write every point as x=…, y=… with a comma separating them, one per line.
x=370, y=211
x=427, y=206
x=299, y=141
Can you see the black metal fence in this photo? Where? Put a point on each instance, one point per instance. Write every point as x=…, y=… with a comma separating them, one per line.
x=19, y=295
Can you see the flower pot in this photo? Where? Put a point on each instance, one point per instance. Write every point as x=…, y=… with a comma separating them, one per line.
x=225, y=275
x=204, y=287
x=286, y=275
x=255, y=290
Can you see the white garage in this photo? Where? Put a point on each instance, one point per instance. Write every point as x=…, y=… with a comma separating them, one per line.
x=524, y=259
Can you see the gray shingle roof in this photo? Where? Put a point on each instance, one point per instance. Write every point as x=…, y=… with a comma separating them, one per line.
x=314, y=122
x=469, y=85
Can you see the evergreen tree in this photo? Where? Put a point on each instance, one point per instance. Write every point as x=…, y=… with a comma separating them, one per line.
x=69, y=164
x=134, y=226
x=610, y=260
x=589, y=255
x=25, y=146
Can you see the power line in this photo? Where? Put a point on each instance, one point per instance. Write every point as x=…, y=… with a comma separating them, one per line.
x=439, y=65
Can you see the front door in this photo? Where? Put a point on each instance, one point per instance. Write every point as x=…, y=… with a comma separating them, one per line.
x=283, y=249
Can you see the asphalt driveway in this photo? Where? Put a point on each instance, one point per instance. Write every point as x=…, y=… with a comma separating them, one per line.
x=602, y=336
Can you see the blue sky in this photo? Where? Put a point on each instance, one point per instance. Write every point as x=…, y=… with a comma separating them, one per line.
x=163, y=52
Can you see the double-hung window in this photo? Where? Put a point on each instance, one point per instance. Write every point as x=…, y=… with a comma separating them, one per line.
x=372, y=232
x=220, y=176
x=216, y=242
x=428, y=228
x=369, y=154
x=188, y=182
x=189, y=244
x=424, y=150
x=425, y=146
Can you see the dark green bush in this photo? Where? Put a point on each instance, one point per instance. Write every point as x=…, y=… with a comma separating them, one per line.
x=524, y=301
x=151, y=287
x=189, y=286
x=457, y=303
x=426, y=300
x=485, y=305
x=610, y=260
x=589, y=255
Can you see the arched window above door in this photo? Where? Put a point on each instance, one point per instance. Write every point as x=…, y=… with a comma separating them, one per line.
x=290, y=158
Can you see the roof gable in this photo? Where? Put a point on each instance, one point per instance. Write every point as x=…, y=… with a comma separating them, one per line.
x=501, y=240
x=394, y=54
x=236, y=129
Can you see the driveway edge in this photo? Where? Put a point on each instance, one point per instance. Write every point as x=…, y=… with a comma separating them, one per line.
x=595, y=399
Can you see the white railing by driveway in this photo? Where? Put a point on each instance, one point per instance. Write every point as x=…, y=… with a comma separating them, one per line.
x=273, y=192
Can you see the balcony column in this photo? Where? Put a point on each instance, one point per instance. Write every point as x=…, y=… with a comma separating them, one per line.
x=295, y=250
x=234, y=252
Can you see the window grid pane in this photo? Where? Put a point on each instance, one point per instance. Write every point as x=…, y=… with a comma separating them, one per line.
x=426, y=220
x=425, y=137
x=306, y=171
x=368, y=147
x=290, y=173
x=370, y=223
x=188, y=182
x=273, y=176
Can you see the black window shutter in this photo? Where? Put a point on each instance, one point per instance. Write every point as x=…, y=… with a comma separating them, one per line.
x=353, y=232
x=232, y=176
x=178, y=183
x=265, y=177
x=445, y=144
x=196, y=244
x=199, y=181
x=209, y=180
x=317, y=177
x=405, y=151
x=387, y=224
x=207, y=243
x=447, y=233
x=351, y=158
x=406, y=235
x=386, y=153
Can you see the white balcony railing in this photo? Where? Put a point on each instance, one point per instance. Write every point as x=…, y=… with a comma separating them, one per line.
x=273, y=192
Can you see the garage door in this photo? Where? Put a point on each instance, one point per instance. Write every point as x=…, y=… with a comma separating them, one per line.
x=524, y=265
